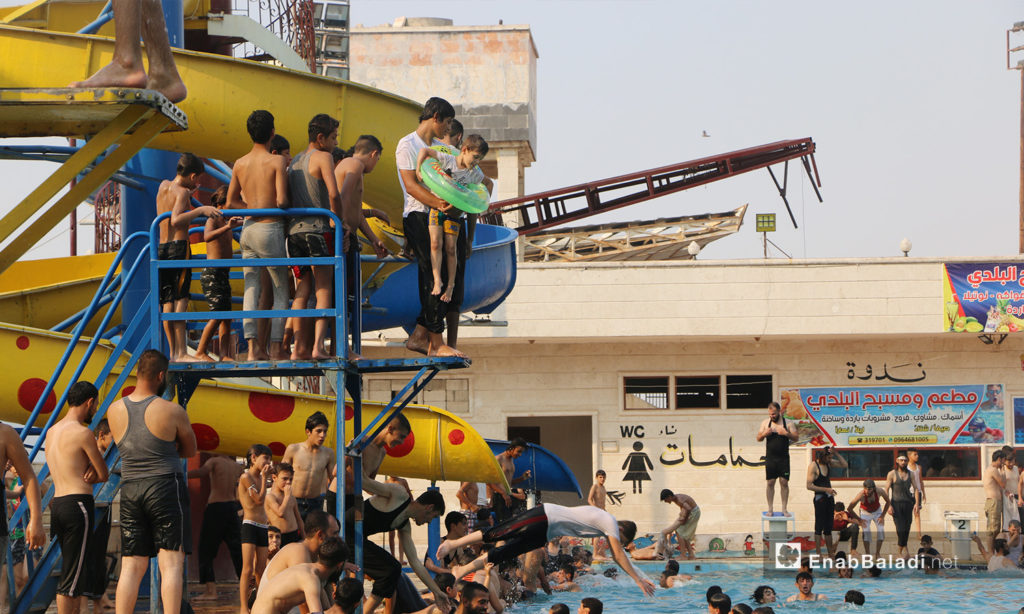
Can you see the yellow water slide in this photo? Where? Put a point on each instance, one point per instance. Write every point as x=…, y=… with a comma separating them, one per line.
x=222, y=93
x=228, y=418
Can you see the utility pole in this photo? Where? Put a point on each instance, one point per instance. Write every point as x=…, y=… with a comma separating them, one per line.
x=1019, y=67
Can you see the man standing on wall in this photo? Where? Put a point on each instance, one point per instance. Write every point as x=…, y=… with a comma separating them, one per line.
x=777, y=435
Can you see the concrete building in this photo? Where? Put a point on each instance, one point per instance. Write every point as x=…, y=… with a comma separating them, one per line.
x=489, y=73
x=663, y=370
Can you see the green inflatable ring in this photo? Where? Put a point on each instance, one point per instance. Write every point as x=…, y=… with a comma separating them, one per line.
x=471, y=198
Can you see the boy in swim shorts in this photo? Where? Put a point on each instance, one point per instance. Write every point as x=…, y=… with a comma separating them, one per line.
x=444, y=228
x=282, y=510
x=175, y=197
x=216, y=285
x=252, y=490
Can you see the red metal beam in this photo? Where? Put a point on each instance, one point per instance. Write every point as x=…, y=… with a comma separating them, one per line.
x=555, y=207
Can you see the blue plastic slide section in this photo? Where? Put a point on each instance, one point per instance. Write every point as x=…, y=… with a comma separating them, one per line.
x=490, y=277
x=547, y=470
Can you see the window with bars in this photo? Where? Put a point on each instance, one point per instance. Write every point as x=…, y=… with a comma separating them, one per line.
x=688, y=392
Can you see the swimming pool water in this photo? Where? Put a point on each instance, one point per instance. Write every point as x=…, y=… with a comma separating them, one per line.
x=895, y=592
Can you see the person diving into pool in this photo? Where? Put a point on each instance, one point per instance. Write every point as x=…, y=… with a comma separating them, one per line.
x=533, y=528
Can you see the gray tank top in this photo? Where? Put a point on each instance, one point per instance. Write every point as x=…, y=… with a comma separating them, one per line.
x=901, y=488
x=306, y=191
x=143, y=454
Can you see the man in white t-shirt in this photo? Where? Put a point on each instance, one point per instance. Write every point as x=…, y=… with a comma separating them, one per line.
x=535, y=527
x=435, y=121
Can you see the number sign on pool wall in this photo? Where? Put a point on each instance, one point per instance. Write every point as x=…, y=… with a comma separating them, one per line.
x=898, y=415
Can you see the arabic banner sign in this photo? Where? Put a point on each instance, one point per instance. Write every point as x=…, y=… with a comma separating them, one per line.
x=898, y=415
x=983, y=297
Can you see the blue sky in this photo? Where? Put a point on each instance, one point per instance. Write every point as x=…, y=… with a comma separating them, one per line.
x=916, y=119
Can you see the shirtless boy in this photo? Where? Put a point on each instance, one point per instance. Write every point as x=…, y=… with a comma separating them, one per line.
x=214, y=280
x=259, y=180
x=685, y=526
x=75, y=465
x=313, y=463
x=175, y=197
x=252, y=491
x=220, y=518
x=392, y=435
x=597, y=497
x=804, y=587
x=281, y=508
x=313, y=186
x=501, y=501
x=302, y=584
x=349, y=177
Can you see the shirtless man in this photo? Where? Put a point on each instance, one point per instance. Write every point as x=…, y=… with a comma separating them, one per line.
x=220, y=518
x=993, y=483
x=75, y=465
x=392, y=435
x=259, y=180
x=501, y=501
x=393, y=508
x=303, y=584
x=533, y=528
x=777, y=435
x=175, y=197
x=685, y=526
x=282, y=511
x=252, y=491
x=319, y=527
x=313, y=463
x=152, y=435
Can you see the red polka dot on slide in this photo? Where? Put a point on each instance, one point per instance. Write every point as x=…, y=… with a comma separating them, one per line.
x=127, y=391
x=271, y=407
x=349, y=412
x=206, y=438
x=22, y=342
x=277, y=448
x=456, y=436
x=29, y=392
x=403, y=449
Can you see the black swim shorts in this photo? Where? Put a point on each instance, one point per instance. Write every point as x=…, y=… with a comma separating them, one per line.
x=217, y=288
x=174, y=283
x=71, y=521
x=309, y=245
x=256, y=534
x=291, y=537
x=155, y=516
x=777, y=467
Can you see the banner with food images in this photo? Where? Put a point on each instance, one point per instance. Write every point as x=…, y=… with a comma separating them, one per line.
x=983, y=297
x=897, y=415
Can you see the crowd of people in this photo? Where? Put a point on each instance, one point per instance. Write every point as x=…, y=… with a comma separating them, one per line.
x=322, y=176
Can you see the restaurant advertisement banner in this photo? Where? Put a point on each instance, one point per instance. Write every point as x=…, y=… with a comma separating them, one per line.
x=898, y=415
x=983, y=297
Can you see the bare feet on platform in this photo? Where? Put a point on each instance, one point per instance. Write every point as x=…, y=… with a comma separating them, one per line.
x=116, y=75
x=204, y=357
x=418, y=341
x=186, y=358
x=321, y=354
x=353, y=356
x=170, y=85
x=444, y=351
x=255, y=355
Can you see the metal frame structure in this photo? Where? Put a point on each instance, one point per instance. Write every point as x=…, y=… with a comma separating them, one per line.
x=125, y=118
x=556, y=207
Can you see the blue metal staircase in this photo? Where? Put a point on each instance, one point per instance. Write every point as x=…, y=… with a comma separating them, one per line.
x=145, y=330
